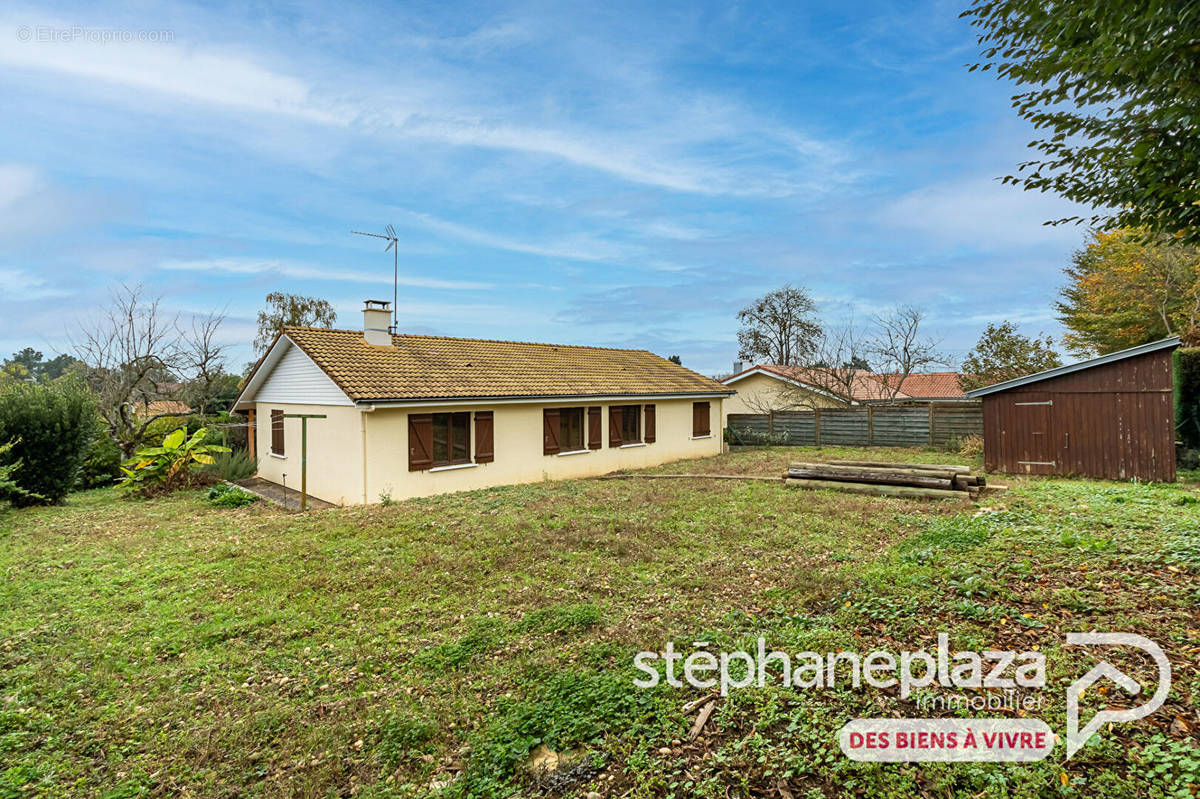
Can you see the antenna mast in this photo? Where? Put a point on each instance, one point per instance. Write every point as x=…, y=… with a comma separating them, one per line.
x=393, y=245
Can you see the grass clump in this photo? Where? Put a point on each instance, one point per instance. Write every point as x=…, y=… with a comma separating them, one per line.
x=224, y=495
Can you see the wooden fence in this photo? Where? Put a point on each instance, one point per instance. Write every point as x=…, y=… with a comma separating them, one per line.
x=926, y=424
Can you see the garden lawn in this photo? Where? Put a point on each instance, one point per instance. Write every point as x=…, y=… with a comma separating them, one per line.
x=168, y=648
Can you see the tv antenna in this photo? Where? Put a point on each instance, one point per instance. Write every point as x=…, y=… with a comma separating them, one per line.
x=394, y=245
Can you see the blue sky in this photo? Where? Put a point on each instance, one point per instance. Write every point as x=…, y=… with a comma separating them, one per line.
x=625, y=174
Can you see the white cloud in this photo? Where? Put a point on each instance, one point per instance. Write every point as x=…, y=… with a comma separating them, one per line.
x=981, y=212
x=17, y=284
x=579, y=248
x=252, y=266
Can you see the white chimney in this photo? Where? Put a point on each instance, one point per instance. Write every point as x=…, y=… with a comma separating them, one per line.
x=377, y=320
x=738, y=366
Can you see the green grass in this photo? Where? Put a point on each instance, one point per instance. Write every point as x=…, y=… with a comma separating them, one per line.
x=167, y=647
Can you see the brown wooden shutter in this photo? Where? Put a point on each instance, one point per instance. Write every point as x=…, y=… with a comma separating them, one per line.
x=614, y=425
x=420, y=441
x=277, y=432
x=700, y=417
x=550, y=431
x=594, y=427
x=649, y=436
x=483, y=437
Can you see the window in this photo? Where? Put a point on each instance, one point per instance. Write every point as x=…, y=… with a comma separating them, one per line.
x=700, y=417
x=624, y=425
x=277, y=433
x=451, y=438
x=570, y=427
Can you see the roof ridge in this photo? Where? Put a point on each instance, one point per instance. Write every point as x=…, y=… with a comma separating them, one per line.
x=467, y=338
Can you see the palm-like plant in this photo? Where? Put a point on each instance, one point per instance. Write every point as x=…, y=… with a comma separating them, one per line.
x=169, y=465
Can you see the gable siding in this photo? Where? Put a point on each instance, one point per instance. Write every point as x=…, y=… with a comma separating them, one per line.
x=296, y=379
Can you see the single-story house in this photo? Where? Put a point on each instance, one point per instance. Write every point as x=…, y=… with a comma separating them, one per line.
x=764, y=388
x=409, y=415
x=1111, y=417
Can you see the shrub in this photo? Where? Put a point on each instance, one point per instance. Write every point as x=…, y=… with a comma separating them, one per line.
x=55, y=424
x=171, y=466
x=233, y=465
x=102, y=465
x=8, y=486
x=1187, y=396
x=224, y=495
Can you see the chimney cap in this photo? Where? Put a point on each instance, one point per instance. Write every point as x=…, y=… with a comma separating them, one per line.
x=376, y=305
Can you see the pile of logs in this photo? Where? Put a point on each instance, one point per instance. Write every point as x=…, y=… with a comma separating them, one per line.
x=915, y=480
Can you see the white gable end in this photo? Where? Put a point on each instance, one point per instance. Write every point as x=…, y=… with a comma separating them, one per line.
x=296, y=379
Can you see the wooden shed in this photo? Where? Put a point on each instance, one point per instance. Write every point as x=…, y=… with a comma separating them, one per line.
x=1111, y=417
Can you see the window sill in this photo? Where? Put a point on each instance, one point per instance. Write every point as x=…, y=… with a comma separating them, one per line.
x=454, y=466
x=276, y=455
x=635, y=444
x=706, y=435
x=572, y=452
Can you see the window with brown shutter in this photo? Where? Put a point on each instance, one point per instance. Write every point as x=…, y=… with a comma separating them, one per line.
x=700, y=419
x=550, y=431
x=624, y=425
x=594, y=427
x=420, y=441
x=649, y=437
x=277, y=433
x=483, y=437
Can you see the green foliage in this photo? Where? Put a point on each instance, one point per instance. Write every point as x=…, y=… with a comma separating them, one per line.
x=403, y=735
x=1187, y=396
x=102, y=466
x=1173, y=765
x=292, y=310
x=675, y=359
x=28, y=365
x=169, y=466
x=55, y=424
x=233, y=465
x=1004, y=354
x=566, y=710
x=8, y=486
x=1112, y=86
x=1123, y=290
x=224, y=495
x=561, y=618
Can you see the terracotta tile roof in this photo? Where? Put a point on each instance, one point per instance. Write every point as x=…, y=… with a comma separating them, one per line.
x=433, y=367
x=930, y=385
x=866, y=386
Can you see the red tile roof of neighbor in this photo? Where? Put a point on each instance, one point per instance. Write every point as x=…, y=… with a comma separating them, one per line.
x=866, y=386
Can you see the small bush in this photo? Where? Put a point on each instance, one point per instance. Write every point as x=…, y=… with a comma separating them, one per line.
x=102, y=466
x=52, y=427
x=402, y=736
x=171, y=466
x=233, y=466
x=224, y=495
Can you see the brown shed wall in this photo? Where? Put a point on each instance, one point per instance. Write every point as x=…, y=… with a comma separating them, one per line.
x=1114, y=421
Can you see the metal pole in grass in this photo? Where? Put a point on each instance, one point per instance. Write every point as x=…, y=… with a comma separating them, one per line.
x=304, y=417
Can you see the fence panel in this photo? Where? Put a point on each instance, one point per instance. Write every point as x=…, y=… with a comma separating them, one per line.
x=909, y=425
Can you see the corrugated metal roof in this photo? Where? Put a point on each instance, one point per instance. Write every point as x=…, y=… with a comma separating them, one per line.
x=1142, y=349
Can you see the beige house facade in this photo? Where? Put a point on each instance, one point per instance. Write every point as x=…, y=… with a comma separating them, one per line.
x=410, y=416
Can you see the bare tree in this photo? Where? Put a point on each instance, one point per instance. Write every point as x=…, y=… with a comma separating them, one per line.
x=133, y=355
x=779, y=328
x=899, y=348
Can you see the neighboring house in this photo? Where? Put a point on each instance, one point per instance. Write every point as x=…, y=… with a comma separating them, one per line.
x=410, y=415
x=768, y=387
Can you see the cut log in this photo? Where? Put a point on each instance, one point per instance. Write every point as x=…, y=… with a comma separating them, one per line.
x=897, y=470
x=880, y=476
x=907, y=492
x=964, y=481
x=936, y=467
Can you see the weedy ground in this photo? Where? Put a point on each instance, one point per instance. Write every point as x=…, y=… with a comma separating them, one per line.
x=164, y=647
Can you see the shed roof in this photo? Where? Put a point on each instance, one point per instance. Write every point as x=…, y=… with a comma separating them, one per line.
x=1120, y=355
